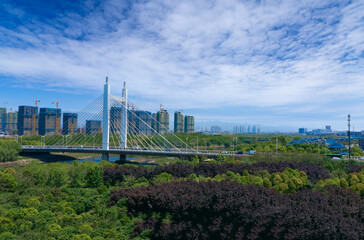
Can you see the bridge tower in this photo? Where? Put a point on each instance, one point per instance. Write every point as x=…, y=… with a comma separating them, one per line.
x=106, y=120
x=124, y=118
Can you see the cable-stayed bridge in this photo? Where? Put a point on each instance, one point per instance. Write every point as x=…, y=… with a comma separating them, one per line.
x=109, y=126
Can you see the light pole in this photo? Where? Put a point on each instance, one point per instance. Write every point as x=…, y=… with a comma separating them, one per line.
x=94, y=141
x=235, y=145
x=66, y=140
x=347, y=162
x=276, y=146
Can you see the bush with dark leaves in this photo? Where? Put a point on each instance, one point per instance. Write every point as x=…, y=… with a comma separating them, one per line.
x=355, y=168
x=229, y=210
x=117, y=173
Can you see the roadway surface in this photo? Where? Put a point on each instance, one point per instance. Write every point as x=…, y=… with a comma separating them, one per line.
x=118, y=151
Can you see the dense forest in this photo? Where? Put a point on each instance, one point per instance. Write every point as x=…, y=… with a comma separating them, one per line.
x=263, y=200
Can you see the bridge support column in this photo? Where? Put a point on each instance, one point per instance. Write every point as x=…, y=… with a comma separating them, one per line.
x=124, y=119
x=105, y=156
x=122, y=157
x=106, y=117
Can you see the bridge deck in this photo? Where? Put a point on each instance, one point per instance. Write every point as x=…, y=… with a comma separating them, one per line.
x=167, y=153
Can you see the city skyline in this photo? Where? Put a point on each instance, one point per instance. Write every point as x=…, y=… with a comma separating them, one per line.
x=272, y=64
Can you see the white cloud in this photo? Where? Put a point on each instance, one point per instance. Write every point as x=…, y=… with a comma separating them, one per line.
x=198, y=54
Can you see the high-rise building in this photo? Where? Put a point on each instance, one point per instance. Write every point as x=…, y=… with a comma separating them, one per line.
x=154, y=122
x=69, y=123
x=28, y=118
x=162, y=124
x=11, y=123
x=328, y=129
x=132, y=122
x=254, y=129
x=215, y=129
x=189, y=124
x=93, y=126
x=144, y=123
x=115, y=119
x=3, y=119
x=178, y=122
x=140, y=122
x=302, y=130
x=49, y=121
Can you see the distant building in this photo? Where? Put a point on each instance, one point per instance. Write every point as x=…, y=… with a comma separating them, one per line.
x=140, y=122
x=178, y=122
x=93, y=126
x=49, y=121
x=28, y=118
x=239, y=129
x=254, y=129
x=143, y=122
x=361, y=143
x=3, y=119
x=328, y=128
x=189, y=124
x=215, y=129
x=11, y=124
x=302, y=130
x=115, y=119
x=154, y=122
x=355, y=134
x=69, y=123
x=162, y=124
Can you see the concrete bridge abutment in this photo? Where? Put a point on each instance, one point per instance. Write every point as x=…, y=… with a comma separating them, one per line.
x=105, y=156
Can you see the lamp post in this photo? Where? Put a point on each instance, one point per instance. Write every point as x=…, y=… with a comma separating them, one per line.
x=349, y=136
x=94, y=141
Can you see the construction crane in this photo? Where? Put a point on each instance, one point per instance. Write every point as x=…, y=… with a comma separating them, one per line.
x=35, y=116
x=57, y=117
x=56, y=103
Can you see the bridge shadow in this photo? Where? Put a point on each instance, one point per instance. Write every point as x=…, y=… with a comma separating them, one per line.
x=49, y=157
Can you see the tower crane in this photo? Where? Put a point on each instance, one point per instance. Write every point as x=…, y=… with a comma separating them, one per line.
x=57, y=117
x=35, y=116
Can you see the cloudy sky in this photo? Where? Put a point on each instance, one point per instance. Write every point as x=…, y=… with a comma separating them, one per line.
x=275, y=63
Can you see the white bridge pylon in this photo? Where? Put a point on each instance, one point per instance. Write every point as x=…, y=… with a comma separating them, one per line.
x=106, y=118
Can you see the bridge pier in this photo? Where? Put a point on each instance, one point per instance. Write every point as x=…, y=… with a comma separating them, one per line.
x=122, y=158
x=105, y=156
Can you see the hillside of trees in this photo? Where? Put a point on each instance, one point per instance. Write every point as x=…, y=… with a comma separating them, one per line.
x=263, y=200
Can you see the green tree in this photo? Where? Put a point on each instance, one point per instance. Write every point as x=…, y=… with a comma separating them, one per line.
x=7, y=182
x=94, y=176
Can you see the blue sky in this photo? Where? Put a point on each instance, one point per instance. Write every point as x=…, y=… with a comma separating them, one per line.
x=274, y=63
